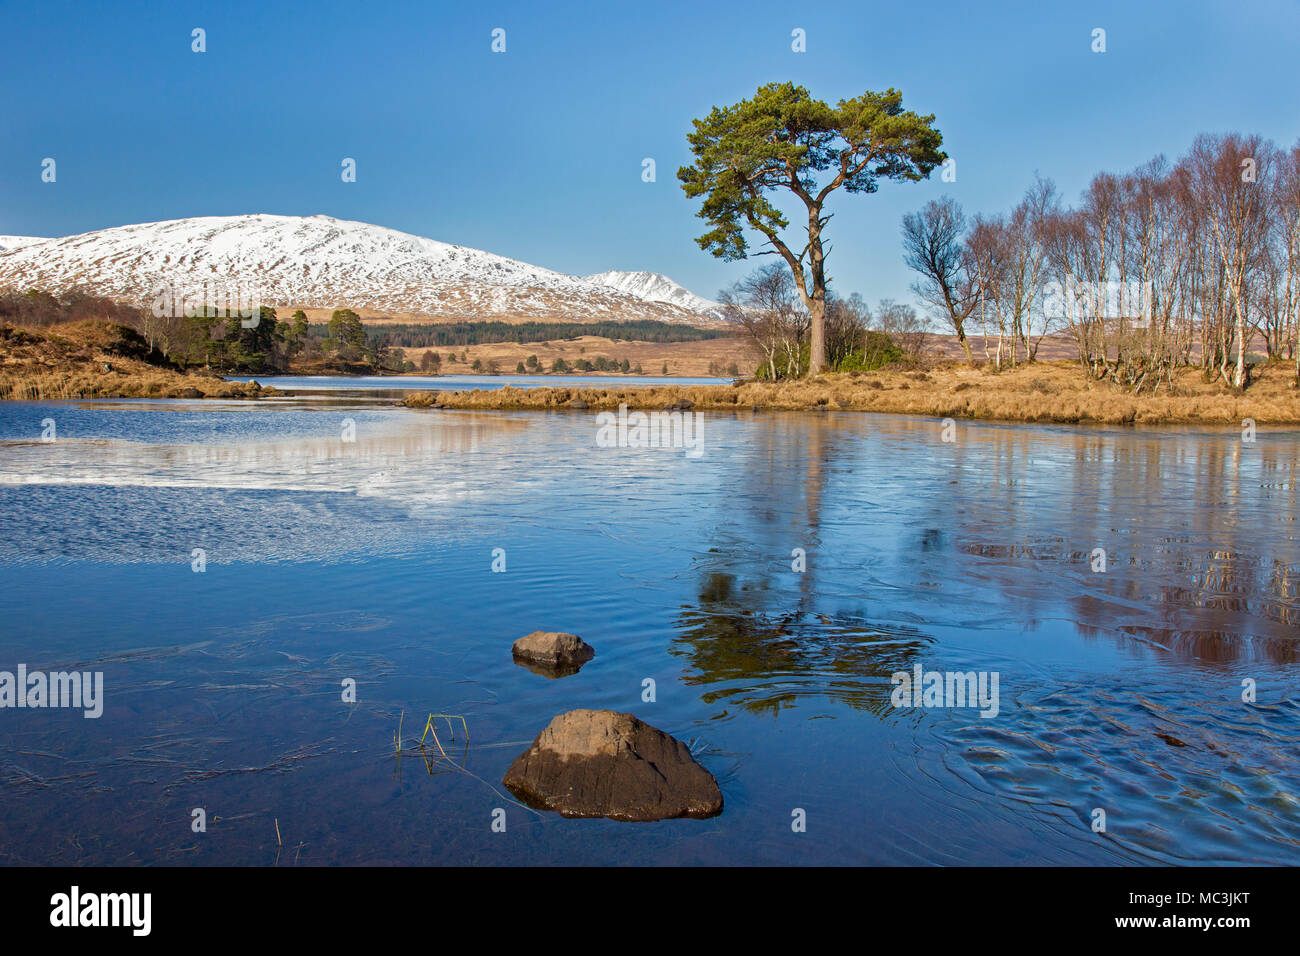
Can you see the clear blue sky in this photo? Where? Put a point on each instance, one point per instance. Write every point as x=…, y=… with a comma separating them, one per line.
x=536, y=153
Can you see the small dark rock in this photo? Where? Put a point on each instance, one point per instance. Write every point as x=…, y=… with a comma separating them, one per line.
x=191, y=393
x=578, y=403
x=552, y=653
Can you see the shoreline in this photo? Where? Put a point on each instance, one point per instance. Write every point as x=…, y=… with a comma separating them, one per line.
x=880, y=392
x=1044, y=393
x=95, y=360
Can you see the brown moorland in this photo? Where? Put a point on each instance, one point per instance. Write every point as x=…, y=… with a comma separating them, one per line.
x=688, y=359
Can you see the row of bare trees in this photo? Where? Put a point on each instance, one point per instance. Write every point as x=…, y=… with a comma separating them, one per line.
x=1195, y=262
x=37, y=308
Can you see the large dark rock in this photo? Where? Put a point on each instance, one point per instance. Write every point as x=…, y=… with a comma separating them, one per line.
x=600, y=763
x=552, y=653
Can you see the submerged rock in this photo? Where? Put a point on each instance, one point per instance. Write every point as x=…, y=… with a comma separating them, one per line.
x=552, y=653
x=601, y=763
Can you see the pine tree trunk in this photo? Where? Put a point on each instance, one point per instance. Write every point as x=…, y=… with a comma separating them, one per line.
x=817, y=308
x=817, y=348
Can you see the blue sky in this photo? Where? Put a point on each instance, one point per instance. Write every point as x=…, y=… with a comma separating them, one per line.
x=537, y=153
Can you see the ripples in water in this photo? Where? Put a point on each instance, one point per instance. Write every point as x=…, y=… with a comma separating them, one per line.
x=1214, y=783
x=1121, y=690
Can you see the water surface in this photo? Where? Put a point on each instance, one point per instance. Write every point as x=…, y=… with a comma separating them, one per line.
x=400, y=384
x=371, y=560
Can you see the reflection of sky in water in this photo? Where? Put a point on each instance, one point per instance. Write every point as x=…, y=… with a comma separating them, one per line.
x=1119, y=690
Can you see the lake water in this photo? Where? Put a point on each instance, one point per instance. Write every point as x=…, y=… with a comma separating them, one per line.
x=388, y=385
x=1120, y=690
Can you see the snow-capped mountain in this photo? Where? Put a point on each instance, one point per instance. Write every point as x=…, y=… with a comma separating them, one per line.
x=8, y=243
x=653, y=287
x=321, y=262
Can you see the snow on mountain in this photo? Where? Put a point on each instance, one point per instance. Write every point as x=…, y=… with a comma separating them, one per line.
x=321, y=262
x=9, y=243
x=653, y=287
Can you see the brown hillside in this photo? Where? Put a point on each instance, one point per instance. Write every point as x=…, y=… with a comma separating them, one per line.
x=97, y=359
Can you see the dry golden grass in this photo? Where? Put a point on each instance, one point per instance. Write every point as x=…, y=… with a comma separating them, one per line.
x=125, y=384
x=1041, y=392
x=689, y=359
x=93, y=359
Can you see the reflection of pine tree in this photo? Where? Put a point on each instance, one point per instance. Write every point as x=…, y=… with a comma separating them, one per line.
x=758, y=635
x=765, y=661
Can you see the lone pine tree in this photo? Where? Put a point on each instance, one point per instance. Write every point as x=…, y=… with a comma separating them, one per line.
x=784, y=140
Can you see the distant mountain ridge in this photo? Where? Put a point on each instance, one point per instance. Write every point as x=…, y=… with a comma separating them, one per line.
x=653, y=287
x=322, y=262
x=14, y=242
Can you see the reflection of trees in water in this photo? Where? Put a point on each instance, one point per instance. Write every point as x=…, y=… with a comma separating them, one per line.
x=1202, y=557
x=767, y=659
x=1234, y=607
x=759, y=642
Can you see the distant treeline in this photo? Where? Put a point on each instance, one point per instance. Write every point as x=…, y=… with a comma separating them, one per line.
x=271, y=344
x=460, y=334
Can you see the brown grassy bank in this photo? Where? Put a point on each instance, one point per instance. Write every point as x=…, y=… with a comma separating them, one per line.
x=681, y=358
x=1041, y=392
x=95, y=359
